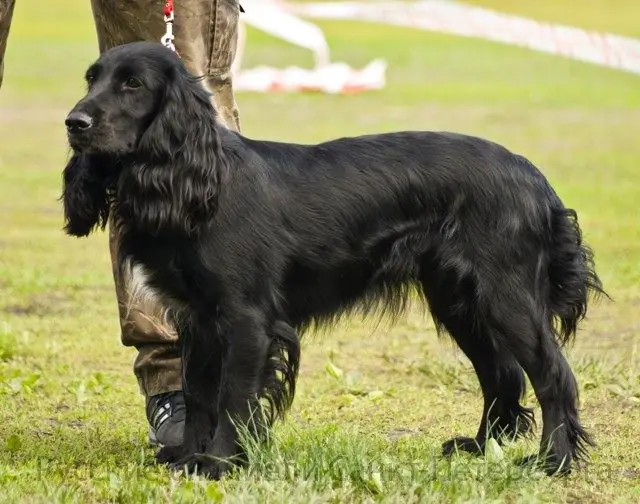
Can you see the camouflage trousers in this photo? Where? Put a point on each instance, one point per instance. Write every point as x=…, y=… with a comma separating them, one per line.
x=206, y=34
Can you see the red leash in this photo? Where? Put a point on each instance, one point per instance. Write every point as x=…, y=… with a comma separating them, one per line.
x=167, y=38
x=168, y=9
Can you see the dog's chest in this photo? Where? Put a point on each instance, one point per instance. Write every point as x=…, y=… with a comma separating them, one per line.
x=155, y=285
x=146, y=301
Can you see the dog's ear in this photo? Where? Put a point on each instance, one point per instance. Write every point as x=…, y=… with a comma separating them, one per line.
x=174, y=189
x=84, y=194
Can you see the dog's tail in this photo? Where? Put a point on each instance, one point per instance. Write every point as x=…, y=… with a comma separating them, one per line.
x=572, y=274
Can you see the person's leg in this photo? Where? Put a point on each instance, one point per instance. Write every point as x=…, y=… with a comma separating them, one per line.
x=205, y=37
x=6, y=13
x=209, y=47
x=158, y=365
x=224, y=43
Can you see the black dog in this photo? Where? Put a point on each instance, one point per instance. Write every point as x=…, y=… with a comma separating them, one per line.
x=248, y=242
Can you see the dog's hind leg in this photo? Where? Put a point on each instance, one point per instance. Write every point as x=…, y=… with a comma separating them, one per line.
x=503, y=385
x=529, y=336
x=502, y=380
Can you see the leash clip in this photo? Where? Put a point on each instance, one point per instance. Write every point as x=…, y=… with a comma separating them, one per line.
x=168, y=37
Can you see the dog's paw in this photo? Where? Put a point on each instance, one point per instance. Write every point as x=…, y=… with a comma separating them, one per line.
x=550, y=464
x=466, y=444
x=201, y=464
x=170, y=454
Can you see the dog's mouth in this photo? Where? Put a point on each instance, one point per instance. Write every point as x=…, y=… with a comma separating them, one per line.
x=87, y=143
x=98, y=142
x=80, y=142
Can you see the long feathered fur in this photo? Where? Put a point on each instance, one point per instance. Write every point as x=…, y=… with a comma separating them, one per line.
x=249, y=243
x=86, y=195
x=571, y=274
x=172, y=189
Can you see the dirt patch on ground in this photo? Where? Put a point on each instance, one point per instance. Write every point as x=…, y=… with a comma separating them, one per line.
x=40, y=305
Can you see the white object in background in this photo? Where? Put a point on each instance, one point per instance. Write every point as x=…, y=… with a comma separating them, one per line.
x=325, y=77
x=443, y=16
x=334, y=78
x=270, y=18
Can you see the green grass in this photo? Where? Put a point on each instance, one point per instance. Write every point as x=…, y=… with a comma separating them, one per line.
x=374, y=404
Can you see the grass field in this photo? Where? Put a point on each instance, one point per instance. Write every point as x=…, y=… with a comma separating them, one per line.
x=374, y=403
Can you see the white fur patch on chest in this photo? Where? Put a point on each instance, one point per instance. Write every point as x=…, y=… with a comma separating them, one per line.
x=145, y=303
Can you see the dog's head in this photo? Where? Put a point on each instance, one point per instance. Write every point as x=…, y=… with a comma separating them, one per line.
x=145, y=136
x=135, y=91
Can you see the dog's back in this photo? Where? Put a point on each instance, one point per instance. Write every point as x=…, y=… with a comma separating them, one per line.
x=375, y=209
x=422, y=171
x=357, y=193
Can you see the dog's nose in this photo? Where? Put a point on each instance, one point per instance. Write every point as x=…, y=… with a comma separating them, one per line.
x=78, y=121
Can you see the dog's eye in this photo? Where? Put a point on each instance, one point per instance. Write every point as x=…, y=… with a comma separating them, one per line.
x=132, y=83
x=90, y=78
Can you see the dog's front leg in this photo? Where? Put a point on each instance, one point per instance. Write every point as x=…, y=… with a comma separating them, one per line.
x=202, y=354
x=211, y=436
